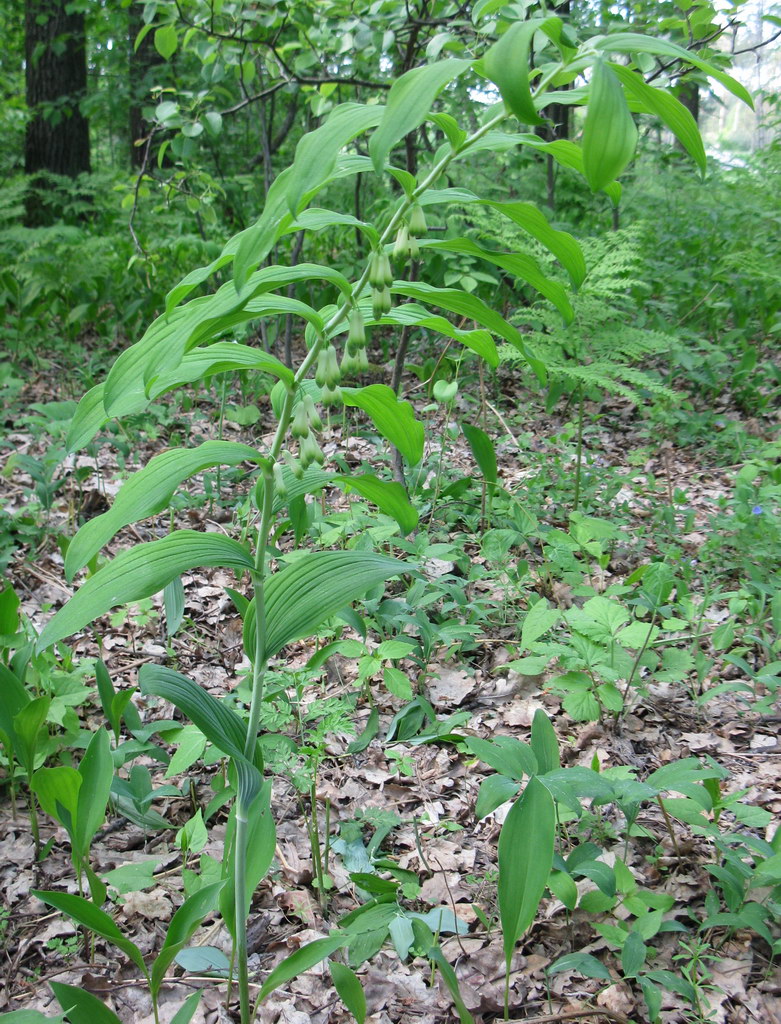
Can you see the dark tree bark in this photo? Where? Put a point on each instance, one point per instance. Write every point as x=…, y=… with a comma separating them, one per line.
x=140, y=61
x=57, y=137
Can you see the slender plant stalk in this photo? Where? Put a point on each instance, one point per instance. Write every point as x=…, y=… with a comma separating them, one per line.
x=579, y=456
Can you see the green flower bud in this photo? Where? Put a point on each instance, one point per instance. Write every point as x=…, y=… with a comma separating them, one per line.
x=414, y=248
x=387, y=270
x=310, y=452
x=321, y=373
x=356, y=337
x=376, y=273
x=350, y=364
x=279, y=481
x=300, y=425
x=331, y=396
x=362, y=360
x=401, y=245
x=315, y=423
x=417, y=221
x=294, y=465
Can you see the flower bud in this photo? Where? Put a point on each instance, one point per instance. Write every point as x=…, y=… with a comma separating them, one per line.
x=414, y=248
x=312, y=415
x=279, y=481
x=376, y=274
x=294, y=465
x=300, y=425
x=401, y=245
x=310, y=452
x=356, y=337
x=362, y=360
x=417, y=221
x=331, y=397
x=350, y=363
x=386, y=269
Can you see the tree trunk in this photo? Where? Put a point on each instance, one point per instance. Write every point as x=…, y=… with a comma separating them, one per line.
x=140, y=61
x=56, y=70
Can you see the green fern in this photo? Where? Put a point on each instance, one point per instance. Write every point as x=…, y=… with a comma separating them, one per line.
x=601, y=348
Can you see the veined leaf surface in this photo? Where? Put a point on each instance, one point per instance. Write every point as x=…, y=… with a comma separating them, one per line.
x=609, y=134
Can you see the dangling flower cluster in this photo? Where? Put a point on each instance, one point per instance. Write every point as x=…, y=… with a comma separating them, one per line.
x=306, y=420
x=328, y=375
x=406, y=244
x=355, y=359
x=380, y=279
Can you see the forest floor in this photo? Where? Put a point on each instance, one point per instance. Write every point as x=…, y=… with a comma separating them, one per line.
x=424, y=793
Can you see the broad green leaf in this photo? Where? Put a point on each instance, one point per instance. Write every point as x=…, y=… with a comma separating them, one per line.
x=393, y=417
x=411, y=313
x=94, y=919
x=409, y=101
x=632, y=42
x=514, y=263
x=482, y=448
x=302, y=960
x=13, y=697
x=609, y=133
x=666, y=107
x=219, y=357
x=494, y=791
x=89, y=418
x=583, y=963
x=525, y=859
x=349, y=989
x=218, y=723
x=564, y=247
x=390, y=498
x=9, y=611
x=166, y=42
x=304, y=595
x=29, y=729
x=507, y=65
x=173, y=605
x=538, y=620
x=314, y=161
x=141, y=572
x=181, y=929
x=57, y=790
x=504, y=754
x=81, y=1007
x=173, y=334
x=633, y=955
x=475, y=309
x=315, y=219
x=97, y=771
x=544, y=743
x=149, y=491
x=568, y=154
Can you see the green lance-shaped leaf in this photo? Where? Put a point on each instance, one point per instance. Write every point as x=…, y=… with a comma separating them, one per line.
x=450, y=978
x=390, y=498
x=632, y=42
x=80, y=1006
x=561, y=243
x=507, y=65
x=97, y=772
x=28, y=728
x=314, y=161
x=89, y=418
x=470, y=306
x=665, y=106
x=13, y=697
x=261, y=846
x=173, y=334
x=57, y=790
x=544, y=743
x=516, y=264
x=409, y=101
x=218, y=723
x=609, y=134
x=301, y=597
x=505, y=754
x=525, y=860
x=411, y=313
x=302, y=960
x=482, y=448
x=568, y=154
x=96, y=920
x=393, y=417
x=141, y=572
x=219, y=357
x=316, y=219
x=181, y=929
x=149, y=491
x=349, y=989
